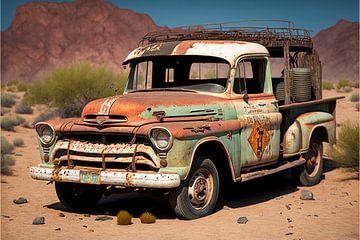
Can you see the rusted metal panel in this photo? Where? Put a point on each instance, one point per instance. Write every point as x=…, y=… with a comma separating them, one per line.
x=120, y=178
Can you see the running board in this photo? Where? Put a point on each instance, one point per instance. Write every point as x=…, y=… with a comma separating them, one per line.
x=261, y=173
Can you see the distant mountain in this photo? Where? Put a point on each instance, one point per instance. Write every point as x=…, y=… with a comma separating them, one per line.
x=43, y=35
x=338, y=47
x=47, y=34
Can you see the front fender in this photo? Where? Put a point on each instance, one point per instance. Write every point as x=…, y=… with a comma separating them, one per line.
x=297, y=137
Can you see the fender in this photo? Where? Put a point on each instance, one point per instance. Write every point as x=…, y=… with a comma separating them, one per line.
x=297, y=137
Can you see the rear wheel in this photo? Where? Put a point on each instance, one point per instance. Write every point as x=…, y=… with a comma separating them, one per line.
x=197, y=196
x=75, y=196
x=310, y=173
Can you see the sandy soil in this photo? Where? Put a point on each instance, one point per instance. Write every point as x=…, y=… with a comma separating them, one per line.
x=272, y=206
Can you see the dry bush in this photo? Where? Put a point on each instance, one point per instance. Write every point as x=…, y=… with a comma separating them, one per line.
x=343, y=83
x=7, y=100
x=124, y=218
x=354, y=97
x=347, y=89
x=6, y=159
x=327, y=85
x=147, y=217
x=23, y=109
x=18, y=142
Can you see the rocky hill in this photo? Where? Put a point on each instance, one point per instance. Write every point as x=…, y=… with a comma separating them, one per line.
x=338, y=47
x=43, y=35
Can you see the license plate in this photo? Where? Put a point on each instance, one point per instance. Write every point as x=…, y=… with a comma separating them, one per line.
x=89, y=177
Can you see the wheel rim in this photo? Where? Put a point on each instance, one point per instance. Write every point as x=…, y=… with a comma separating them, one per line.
x=312, y=163
x=200, y=188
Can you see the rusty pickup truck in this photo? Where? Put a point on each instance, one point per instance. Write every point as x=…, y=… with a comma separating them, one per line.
x=200, y=106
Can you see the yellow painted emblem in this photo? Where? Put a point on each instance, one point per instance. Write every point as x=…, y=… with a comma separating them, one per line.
x=259, y=139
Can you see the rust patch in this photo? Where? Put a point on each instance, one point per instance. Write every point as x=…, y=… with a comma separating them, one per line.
x=259, y=139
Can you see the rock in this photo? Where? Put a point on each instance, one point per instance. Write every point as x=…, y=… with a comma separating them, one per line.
x=289, y=220
x=5, y=216
x=226, y=208
x=87, y=215
x=306, y=195
x=61, y=215
x=91, y=230
x=287, y=206
x=242, y=220
x=84, y=226
x=38, y=221
x=80, y=218
x=57, y=229
x=103, y=218
x=20, y=200
x=289, y=233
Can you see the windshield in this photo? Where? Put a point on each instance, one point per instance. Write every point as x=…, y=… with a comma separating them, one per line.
x=192, y=73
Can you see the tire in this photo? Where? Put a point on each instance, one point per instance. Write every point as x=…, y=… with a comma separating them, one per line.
x=310, y=173
x=78, y=197
x=196, y=196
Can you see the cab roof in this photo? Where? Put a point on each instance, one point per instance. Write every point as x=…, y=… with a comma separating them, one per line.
x=227, y=50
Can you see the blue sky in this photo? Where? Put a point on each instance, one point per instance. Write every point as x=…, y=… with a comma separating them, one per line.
x=312, y=14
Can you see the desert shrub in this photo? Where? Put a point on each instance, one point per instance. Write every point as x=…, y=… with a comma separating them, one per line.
x=343, y=83
x=346, y=150
x=23, y=109
x=123, y=218
x=18, y=142
x=6, y=146
x=25, y=125
x=12, y=83
x=347, y=89
x=4, y=111
x=6, y=162
x=327, y=85
x=355, y=84
x=69, y=88
x=22, y=87
x=147, y=217
x=8, y=123
x=354, y=97
x=7, y=100
x=43, y=117
x=20, y=119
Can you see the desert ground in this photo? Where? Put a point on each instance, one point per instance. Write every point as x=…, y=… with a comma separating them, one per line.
x=272, y=205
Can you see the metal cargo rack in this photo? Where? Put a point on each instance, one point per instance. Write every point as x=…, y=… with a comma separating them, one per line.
x=283, y=41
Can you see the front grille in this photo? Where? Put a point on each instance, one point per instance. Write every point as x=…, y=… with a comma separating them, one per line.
x=107, y=138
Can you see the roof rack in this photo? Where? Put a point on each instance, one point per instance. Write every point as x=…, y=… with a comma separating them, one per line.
x=265, y=35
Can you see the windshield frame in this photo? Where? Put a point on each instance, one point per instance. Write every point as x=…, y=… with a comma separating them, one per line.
x=203, y=58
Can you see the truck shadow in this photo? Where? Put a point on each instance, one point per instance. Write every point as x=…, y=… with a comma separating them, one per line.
x=237, y=195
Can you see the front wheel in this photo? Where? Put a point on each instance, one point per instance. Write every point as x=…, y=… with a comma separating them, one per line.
x=310, y=173
x=77, y=197
x=197, y=196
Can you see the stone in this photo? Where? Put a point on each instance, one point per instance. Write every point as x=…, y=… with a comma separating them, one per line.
x=242, y=220
x=61, y=215
x=87, y=215
x=39, y=221
x=57, y=229
x=287, y=206
x=103, y=218
x=306, y=195
x=226, y=208
x=20, y=200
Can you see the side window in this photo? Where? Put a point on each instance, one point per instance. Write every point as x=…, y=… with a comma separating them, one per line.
x=250, y=76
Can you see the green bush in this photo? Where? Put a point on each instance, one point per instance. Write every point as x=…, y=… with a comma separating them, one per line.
x=23, y=87
x=23, y=109
x=354, y=97
x=20, y=119
x=12, y=83
x=343, y=83
x=327, y=85
x=18, y=142
x=43, y=117
x=355, y=84
x=347, y=89
x=69, y=88
x=6, y=146
x=6, y=162
x=8, y=123
x=7, y=100
x=346, y=150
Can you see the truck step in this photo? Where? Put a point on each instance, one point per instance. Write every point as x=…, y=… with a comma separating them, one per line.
x=261, y=173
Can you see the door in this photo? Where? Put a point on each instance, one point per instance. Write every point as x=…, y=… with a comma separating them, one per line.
x=257, y=112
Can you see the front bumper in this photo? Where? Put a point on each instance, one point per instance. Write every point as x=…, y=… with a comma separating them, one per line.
x=111, y=177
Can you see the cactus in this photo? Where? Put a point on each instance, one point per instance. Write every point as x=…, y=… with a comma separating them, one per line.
x=123, y=218
x=147, y=217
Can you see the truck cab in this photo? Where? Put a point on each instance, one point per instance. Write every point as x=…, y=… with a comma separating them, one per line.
x=194, y=113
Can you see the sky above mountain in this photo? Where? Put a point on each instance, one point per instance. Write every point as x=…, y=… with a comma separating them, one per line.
x=310, y=14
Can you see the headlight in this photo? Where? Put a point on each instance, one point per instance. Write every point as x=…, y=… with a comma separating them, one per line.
x=161, y=138
x=46, y=133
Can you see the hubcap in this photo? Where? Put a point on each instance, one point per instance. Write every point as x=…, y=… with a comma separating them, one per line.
x=200, y=188
x=312, y=160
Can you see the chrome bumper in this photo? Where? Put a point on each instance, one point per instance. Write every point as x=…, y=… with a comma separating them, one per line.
x=120, y=178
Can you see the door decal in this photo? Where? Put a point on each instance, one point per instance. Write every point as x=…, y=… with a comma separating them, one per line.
x=259, y=139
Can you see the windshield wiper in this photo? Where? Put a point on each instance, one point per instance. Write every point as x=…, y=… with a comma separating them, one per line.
x=163, y=89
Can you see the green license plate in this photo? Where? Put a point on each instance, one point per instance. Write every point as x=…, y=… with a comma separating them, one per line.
x=89, y=177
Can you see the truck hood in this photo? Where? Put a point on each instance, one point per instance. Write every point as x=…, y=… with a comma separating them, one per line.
x=141, y=107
